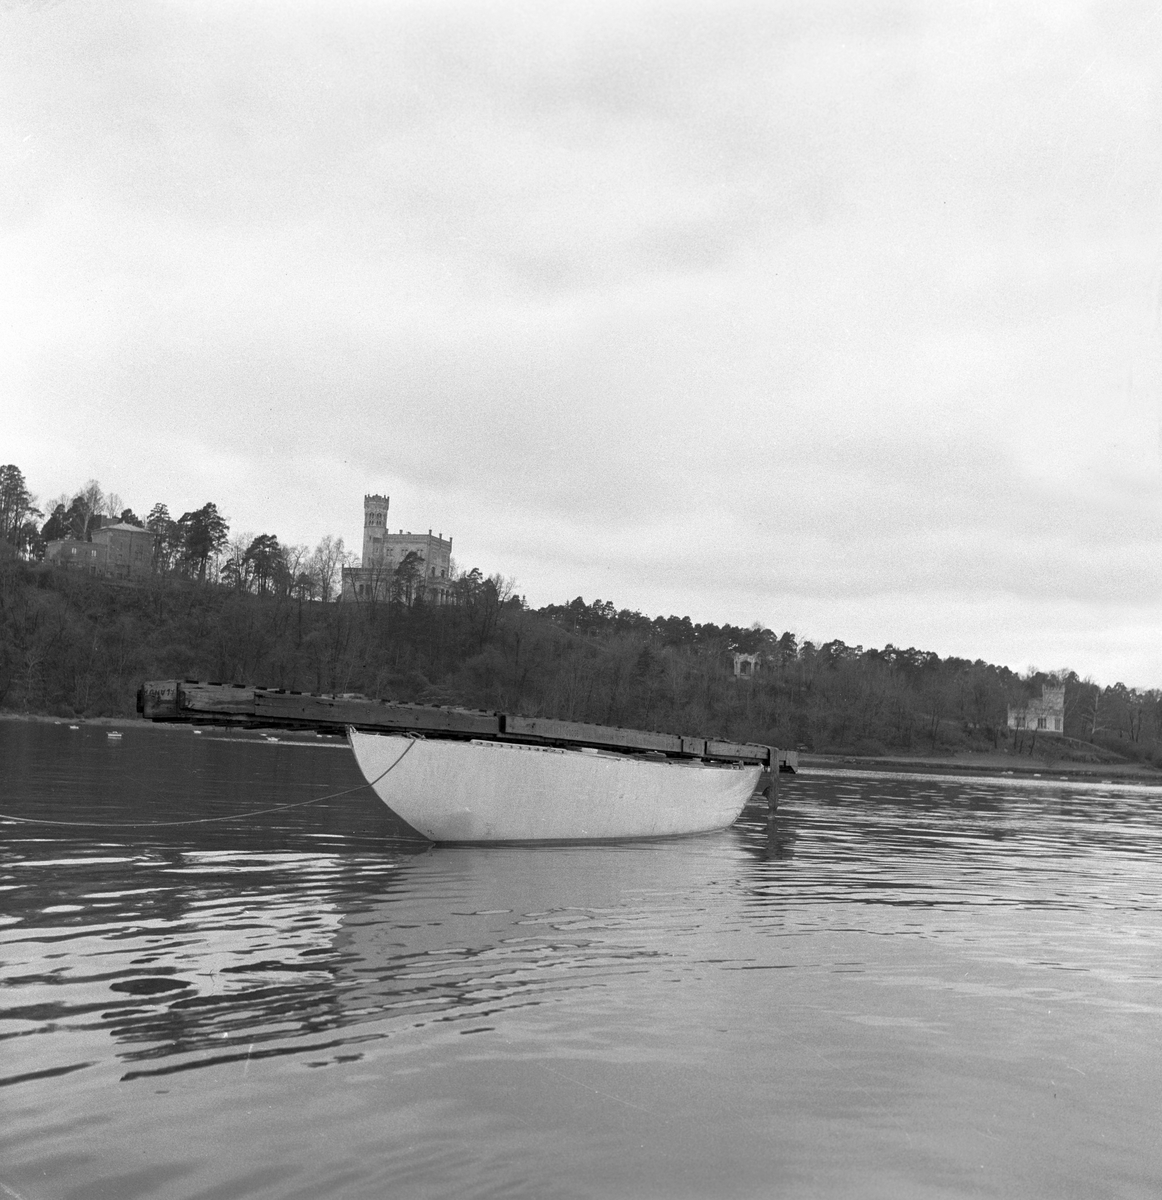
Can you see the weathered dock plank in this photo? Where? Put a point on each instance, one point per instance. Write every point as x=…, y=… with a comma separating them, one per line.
x=307, y=709
x=158, y=700
x=716, y=748
x=605, y=736
x=615, y=738
x=226, y=698
x=174, y=700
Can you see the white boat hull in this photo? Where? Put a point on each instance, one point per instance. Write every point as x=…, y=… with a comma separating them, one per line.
x=479, y=791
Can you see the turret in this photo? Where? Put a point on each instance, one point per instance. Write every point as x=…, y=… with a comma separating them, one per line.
x=374, y=526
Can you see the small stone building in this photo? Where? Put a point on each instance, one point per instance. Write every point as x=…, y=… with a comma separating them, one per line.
x=1046, y=715
x=745, y=665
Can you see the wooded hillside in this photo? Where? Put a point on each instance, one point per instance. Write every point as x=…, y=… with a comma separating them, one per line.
x=76, y=644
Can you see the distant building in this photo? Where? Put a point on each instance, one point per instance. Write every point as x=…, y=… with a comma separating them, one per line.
x=77, y=555
x=428, y=575
x=745, y=665
x=118, y=549
x=128, y=549
x=1046, y=715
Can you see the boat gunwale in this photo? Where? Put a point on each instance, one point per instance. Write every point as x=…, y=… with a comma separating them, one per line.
x=642, y=757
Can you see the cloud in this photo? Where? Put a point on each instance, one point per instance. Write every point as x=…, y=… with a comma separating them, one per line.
x=773, y=307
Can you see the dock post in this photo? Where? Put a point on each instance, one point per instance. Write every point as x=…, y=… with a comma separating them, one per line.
x=773, y=806
x=773, y=786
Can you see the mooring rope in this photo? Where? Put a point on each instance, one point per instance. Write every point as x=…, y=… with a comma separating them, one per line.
x=258, y=812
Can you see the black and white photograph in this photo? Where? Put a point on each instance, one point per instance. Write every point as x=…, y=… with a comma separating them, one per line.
x=580, y=599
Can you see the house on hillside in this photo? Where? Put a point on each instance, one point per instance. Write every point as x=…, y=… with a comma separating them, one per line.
x=118, y=549
x=128, y=549
x=423, y=561
x=76, y=555
x=1046, y=715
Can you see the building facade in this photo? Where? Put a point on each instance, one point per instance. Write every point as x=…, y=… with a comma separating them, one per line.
x=117, y=549
x=745, y=665
x=128, y=549
x=1046, y=715
x=414, y=565
x=77, y=555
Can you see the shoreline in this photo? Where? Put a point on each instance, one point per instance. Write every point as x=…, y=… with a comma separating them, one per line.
x=45, y=719
x=987, y=762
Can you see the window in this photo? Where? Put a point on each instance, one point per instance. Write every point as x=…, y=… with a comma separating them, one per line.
x=1041, y=723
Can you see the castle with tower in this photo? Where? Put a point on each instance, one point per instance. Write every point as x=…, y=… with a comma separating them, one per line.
x=416, y=565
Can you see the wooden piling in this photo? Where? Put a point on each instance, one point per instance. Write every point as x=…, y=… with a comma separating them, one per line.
x=773, y=793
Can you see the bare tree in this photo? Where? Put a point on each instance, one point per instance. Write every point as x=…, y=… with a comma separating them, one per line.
x=326, y=562
x=90, y=499
x=236, y=566
x=297, y=577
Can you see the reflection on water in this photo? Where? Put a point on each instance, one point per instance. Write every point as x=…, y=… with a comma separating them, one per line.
x=876, y=991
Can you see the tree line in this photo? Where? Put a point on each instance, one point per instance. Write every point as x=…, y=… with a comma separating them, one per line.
x=834, y=697
x=196, y=545
x=250, y=610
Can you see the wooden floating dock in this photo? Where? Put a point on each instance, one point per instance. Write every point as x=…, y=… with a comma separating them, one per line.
x=193, y=702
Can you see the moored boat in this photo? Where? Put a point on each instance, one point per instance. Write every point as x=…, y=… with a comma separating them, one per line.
x=486, y=791
x=469, y=775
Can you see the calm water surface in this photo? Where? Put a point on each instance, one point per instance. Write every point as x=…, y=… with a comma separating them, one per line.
x=910, y=987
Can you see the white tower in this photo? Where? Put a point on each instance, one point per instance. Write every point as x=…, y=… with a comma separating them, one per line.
x=374, y=527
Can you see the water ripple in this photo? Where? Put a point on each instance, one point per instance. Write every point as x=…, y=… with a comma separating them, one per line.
x=877, y=931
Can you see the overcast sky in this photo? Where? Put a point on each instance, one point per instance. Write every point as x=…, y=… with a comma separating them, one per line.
x=841, y=317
